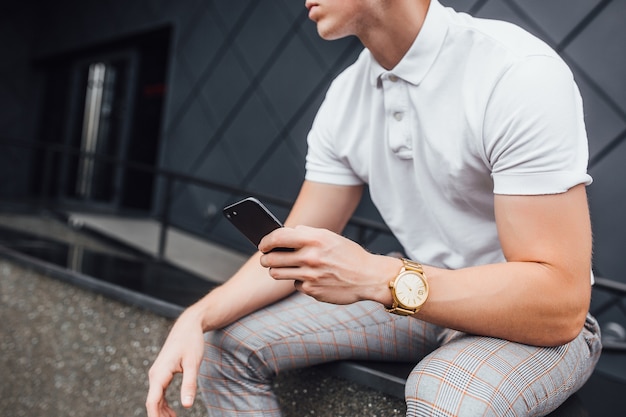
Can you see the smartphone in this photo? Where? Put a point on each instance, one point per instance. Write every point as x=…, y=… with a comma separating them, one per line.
x=252, y=219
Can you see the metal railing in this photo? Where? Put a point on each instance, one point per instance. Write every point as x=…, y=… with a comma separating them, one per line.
x=367, y=230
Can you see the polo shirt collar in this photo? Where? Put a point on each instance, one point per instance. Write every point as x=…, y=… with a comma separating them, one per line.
x=420, y=57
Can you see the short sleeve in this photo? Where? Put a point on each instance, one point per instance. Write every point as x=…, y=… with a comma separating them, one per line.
x=323, y=163
x=534, y=133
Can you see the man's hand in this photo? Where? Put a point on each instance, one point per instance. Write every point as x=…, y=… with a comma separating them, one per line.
x=181, y=353
x=328, y=266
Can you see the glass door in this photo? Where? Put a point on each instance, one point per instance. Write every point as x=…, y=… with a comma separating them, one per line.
x=101, y=108
x=102, y=116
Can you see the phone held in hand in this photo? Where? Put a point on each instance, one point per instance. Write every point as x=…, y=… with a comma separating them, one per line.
x=252, y=219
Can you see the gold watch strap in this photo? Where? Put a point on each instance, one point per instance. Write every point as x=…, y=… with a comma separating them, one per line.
x=399, y=310
x=415, y=266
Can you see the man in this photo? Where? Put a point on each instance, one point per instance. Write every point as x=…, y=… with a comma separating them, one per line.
x=471, y=138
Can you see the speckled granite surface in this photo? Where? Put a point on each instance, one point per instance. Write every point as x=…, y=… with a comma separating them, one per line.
x=65, y=351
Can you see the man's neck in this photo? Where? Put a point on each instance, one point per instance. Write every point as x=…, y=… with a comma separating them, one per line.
x=392, y=37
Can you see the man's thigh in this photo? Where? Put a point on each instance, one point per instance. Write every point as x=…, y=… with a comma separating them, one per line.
x=300, y=331
x=481, y=376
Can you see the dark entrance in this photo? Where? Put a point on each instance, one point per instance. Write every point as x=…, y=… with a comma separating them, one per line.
x=103, y=107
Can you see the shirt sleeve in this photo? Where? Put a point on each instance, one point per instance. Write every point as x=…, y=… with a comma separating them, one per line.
x=322, y=161
x=534, y=133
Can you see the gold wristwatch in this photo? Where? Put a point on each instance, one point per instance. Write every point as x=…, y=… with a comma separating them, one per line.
x=409, y=289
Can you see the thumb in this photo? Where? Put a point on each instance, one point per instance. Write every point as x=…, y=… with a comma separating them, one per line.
x=189, y=385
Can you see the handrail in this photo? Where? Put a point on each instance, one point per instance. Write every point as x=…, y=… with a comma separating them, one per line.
x=363, y=225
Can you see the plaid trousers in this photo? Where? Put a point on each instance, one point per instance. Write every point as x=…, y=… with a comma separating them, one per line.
x=456, y=374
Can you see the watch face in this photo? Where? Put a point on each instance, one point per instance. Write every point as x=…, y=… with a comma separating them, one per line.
x=411, y=290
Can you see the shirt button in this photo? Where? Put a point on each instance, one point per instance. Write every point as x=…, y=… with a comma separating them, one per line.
x=398, y=115
x=393, y=78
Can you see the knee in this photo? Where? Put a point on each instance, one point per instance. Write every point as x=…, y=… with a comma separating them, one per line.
x=436, y=390
x=223, y=347
x=227, y=353
x=223, y=341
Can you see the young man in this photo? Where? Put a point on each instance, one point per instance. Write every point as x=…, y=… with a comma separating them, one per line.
x=471, y=138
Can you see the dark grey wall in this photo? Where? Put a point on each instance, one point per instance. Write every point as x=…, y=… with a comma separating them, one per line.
x=17, y=94
x=245, y=79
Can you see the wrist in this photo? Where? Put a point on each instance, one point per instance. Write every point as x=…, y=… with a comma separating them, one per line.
x=194, y=314
x=204, y=313
x=389, y=268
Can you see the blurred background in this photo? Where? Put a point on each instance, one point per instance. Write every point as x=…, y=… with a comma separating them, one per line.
x=125, y=127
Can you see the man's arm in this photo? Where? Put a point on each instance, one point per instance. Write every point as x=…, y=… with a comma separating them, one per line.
x=318, y=205
x=540, y=296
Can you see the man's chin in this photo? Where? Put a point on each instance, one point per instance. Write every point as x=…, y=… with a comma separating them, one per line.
x=330, y=35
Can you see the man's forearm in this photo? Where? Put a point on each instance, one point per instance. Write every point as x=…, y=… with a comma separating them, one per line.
x=526, y=302
x=249, y=289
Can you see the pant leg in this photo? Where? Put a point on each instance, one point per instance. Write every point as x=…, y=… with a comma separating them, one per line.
x=242, y=359
x=480, y=376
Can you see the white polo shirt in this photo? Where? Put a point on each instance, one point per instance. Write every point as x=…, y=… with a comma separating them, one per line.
x=476, y=107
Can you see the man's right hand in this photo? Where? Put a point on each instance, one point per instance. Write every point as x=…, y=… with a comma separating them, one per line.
x=182, y=353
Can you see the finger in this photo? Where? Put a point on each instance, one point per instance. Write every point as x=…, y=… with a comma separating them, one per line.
x=280, y=259
x=288, y=273
x=189, y=385
x=156, y=405
x=283, y=239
